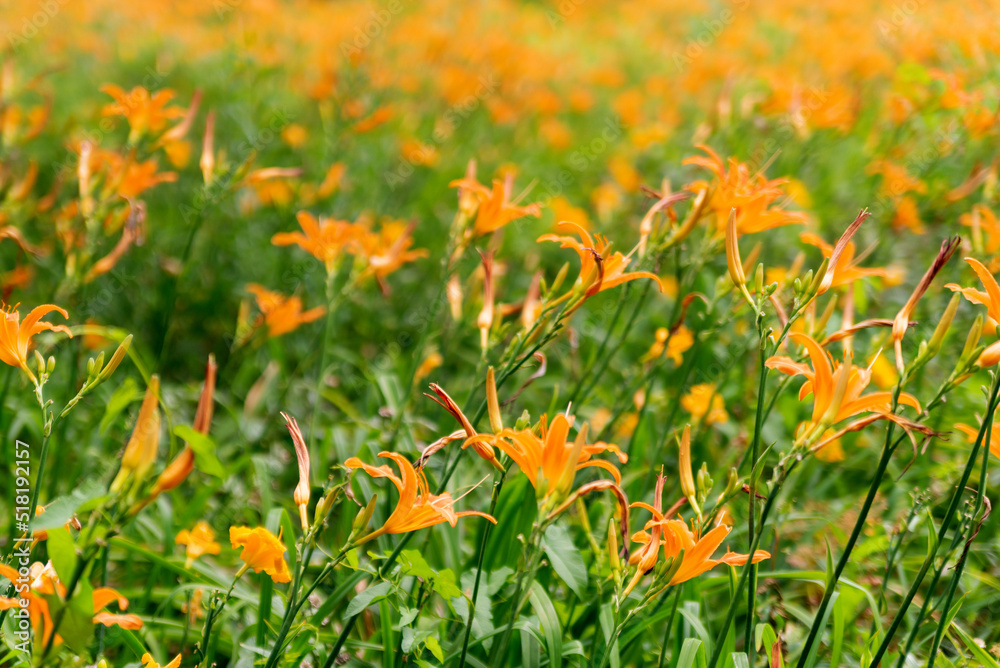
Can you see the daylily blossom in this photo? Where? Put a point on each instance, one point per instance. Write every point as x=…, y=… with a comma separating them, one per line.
x=15, y=336
x=262, y=551
x=599, y=268
x=990, y=299
x=282, y=314
x=846, y=270
x=675, y=537
x=325, y=239
x=147, y=662
x=972, y=433
x=753, y=196
x=836, y=388
x=417, y=508
x=45, y=584
x=482, y=448
x=198, y=541
x=388, y=249
x=144, y=112
x=492, y=205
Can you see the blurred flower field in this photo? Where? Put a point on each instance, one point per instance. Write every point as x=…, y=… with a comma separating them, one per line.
x=514, y=333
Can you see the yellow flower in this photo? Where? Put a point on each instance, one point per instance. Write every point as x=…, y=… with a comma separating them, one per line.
x=703, y=402
x=199, y=540
x=262, y=551
x=147, y=662
x=15, y=336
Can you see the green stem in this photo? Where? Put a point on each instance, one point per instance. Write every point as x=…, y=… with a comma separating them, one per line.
x=887, y=449
x=670, y=625
x=960, y=566
x=945, y=523
x=754, y=449
x=323, y=357
x=479, y=568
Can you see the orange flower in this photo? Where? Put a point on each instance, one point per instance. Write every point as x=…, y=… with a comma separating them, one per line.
x=599, y=269
x=754, y=197
x=144, y=112
x=417, y=508
x=199, y=540
x=282, y=314
x=302, y=490
x=972, y=434
x=45, y=585
x=493, y=208
x=388, y=249
x=140, y=451
x=990, y=299
x=147, y=662
x=549, y=460
x=836, y=387
x=325, y=239
x=180, y=468
x=482, y=447
x=262, y=551
x=846, y=270
x=675, y=536
x=15, y=336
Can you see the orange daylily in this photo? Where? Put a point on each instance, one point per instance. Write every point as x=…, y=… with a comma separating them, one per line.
x=492, y=205
x=262, y=551
x=144, y=112
x=141, y=449
x=417, y=508
x=147, y=662
x=990, y=299
x=836, y=387
x=482, y=447
x=198, y=541
x=282, y=314
x=45, y=583
x=388, y=249
x=325, y=239
x=549, y=460
x=180, y=468
x=15, y=336
x=675, y=536
x=599, y=270
x=972, y=433
x=753, y=196
x=846, y=270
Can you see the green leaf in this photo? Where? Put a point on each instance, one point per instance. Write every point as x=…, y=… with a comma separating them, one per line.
x=367, y=597
x=412, y=562
x=692, y=654
x=204, y=450
x=432, y=644
x=606, y=618
x=981, y=655
x=839, y=626
x=690, y=612
x=126, y=392
x=551, y=627
x=811, y=659
x=62, y=553
x=740, y=660
x=61, y=510
x=531, y=651
x=565, y=558
x=446, y=585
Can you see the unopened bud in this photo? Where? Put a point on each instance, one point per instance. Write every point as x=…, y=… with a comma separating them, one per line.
x=934, y=345
x=363, y=517
x=972, y=340
x=758, y=279
x=117, y=358
x=50, y=365
x=616, y=564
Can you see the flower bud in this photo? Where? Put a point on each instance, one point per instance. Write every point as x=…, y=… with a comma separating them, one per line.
x=363, y=517
x=117, y=358
x=613, y=558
